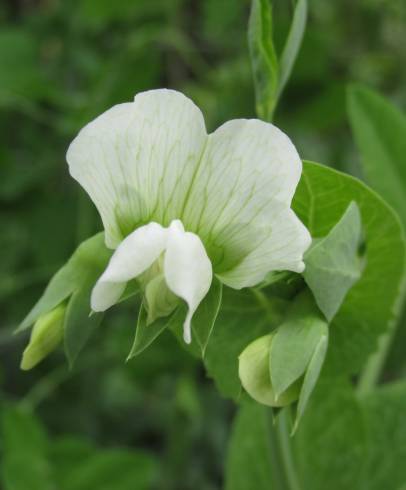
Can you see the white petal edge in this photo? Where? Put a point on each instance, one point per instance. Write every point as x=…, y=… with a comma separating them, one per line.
x=137, y=160
x=243, y=188
x=133, y=256
x=188, y=271
x=283, y=249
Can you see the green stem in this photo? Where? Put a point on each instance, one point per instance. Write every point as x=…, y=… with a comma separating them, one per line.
x=285, y=445
x=373, y=369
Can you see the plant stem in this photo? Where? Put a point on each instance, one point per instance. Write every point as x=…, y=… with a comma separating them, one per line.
x=373, y=368
x=285, y=446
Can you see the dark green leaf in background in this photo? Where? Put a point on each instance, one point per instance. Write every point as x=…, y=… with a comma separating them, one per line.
x=24, y=464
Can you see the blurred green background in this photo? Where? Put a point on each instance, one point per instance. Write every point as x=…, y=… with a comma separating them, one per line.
x=156, y=420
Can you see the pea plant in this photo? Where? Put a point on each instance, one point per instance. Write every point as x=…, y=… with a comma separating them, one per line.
x=285, y=277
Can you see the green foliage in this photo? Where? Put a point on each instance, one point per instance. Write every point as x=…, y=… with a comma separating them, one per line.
x=384, y=411
x=379, y=130
x=75, y=281
x=32, y=461
x=331, y=444
x=373, y=302
x=249, y=460
x=65, y=62
x=333, y=264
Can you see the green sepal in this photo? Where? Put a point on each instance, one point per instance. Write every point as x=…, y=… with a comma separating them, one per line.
x=73, y=284
x=295, y=341
x=203, y=321
x=146, y=332
x=333, y=264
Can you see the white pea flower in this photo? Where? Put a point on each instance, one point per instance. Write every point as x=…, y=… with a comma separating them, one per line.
x=179, y=205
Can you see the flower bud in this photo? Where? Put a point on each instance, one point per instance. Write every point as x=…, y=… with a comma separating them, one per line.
x=46, y=335
x=254, y=372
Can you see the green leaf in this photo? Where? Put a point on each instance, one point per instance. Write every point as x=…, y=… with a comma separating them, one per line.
x=255, y=376
x=240, y=321
x=373, y=302
x=331, y=444
x=147, y=333
x=79, y=323
x=379, y=130
x=333, y=265
x=205, y=316
x=295, y=342
x=263, y=58
x=293, y=43
x=385, y=415
x=24, y=463
x=250, y=462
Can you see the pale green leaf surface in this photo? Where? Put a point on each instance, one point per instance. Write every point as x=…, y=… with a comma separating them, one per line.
x=331, y=444
x=295, y=342
x=373, y=302
x=333, y=265
x=379, y=130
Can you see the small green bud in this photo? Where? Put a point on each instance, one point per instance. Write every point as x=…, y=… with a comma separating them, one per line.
x=46, y=335
x=254, y=372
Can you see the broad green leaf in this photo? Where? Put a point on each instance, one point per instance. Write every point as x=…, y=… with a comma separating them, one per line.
x=24, y=463
x=292, y=45
x=333, y=265
x=254, y=373
x=295, y=342
x=264, y=61
x=79, y=323
x=331, y=443
x=373, y=302
x=385, y=414
x=250, y=461
x=242, y=319
x=379, y=130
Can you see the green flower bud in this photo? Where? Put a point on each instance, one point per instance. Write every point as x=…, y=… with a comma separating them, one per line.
x=46, y=335
x=254, y=372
